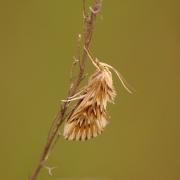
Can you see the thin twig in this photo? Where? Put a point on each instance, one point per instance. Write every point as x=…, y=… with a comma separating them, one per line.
x=89, y=21
x=84, y=9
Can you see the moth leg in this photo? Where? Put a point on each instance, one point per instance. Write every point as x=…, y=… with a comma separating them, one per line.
x=121, y=78
x=81, y=91
x=74, y=99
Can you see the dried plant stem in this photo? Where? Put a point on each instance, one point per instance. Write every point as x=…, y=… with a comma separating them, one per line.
x=89, y=20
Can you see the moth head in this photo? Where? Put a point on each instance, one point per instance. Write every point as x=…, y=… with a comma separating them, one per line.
x=106, y=67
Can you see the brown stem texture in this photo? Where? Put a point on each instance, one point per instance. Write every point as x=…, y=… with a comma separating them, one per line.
x=89, y=22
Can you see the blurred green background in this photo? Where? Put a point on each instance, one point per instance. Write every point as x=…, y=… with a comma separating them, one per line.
x=141, y=39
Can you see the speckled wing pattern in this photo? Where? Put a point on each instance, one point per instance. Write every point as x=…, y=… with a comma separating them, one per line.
x=90, y=116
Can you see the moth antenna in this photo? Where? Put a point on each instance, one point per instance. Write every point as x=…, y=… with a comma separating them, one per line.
x=121, y=78
x=91, y=58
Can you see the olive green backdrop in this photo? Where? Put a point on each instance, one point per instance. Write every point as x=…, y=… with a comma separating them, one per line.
x=141, y=39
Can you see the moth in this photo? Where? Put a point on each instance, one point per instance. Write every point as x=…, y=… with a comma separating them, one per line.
x=90, y=116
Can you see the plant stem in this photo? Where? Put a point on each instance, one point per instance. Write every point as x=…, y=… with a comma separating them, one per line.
x=89, y=20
